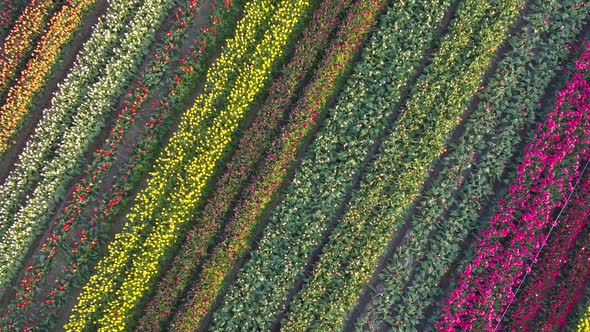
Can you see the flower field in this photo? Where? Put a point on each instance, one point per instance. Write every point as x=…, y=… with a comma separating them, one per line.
x=296, y=165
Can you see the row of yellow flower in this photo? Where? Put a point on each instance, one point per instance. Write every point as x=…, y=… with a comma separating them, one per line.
x=168, y=165
x=189, y=176
x=147, y=201
x=584, y=325
x=21, y=38
x=219, y=76
x=38, y=69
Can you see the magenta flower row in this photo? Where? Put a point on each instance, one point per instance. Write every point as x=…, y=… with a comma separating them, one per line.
x=543, y=290
x=511, y=244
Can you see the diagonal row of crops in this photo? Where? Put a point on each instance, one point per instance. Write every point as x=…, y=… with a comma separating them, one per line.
x=451, y=208
x=18, y=92
x=322, y=165
x=37, y=182
x=93, y=198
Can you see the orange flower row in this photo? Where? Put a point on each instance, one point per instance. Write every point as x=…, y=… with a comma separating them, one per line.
x=21, y=38
x=38, y=69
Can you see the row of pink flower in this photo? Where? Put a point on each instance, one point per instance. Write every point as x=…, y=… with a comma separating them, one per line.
x=544, y=283
x=543, y=289
x=515, y=235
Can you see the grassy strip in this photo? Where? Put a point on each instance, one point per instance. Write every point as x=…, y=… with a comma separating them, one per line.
x=321, y=182
x=471, y=169
x=208, y=150
x=77, y=235
x=253, y=143
x=396, y=177
x=248, y=211
x=38, y=69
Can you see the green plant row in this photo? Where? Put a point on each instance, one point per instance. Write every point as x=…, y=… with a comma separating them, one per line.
x=388, y=61
x=449, y=210
x=249, y=210
x=394, y=180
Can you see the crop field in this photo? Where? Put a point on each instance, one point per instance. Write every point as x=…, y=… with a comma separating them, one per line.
x=294, y=165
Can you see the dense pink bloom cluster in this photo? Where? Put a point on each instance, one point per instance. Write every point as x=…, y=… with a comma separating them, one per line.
x=544, y=289
x=515, y=235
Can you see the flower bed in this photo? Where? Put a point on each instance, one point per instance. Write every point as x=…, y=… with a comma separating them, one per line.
x=392, y=183
x=320, y=184
x=253, y=143
x=248, y=211
x=514, y=236
x=37, y=72
x=451, y=207
x=87, y=234
x=108, y=305
x=542, y=289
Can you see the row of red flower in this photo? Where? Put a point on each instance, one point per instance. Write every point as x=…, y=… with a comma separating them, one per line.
x=359, y=19
x=73, y=235
x=516, y=234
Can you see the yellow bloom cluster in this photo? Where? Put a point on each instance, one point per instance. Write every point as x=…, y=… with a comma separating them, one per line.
x=168, y=210
x=584, y=325
x=33, y=78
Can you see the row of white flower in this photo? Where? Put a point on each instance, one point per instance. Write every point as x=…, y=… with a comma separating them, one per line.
x=68, y=126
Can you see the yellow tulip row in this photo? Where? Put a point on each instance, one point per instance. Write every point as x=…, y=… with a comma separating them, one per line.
x=128, y=240
x=218, y=77
x=584, y=325
x=207, y=146
x=33, y=78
